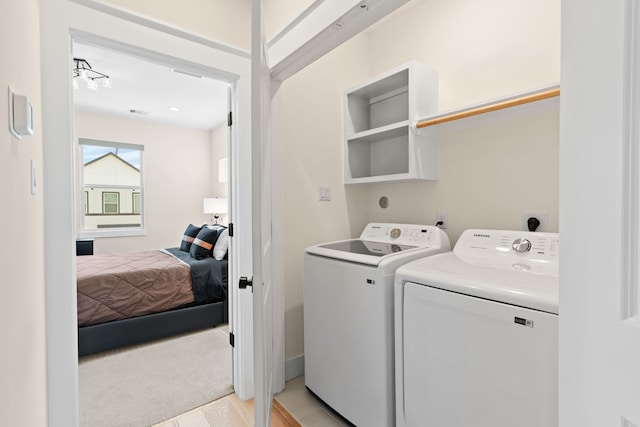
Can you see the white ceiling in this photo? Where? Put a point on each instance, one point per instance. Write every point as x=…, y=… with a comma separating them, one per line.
x=151, y=89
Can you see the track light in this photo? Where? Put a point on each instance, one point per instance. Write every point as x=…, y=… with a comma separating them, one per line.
x=84, y=71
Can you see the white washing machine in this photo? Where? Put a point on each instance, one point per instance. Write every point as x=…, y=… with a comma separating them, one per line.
x=348, y=317
x=477, y=333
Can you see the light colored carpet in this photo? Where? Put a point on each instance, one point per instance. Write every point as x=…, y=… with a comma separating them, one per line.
x=149, y=383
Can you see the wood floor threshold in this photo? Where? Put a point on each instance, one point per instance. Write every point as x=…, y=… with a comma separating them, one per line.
x=285, y=415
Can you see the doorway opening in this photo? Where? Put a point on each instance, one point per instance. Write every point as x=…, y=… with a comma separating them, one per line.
x=177, y=111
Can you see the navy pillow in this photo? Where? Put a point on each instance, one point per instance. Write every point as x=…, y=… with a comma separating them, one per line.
x=203, y=243
x=189, y=235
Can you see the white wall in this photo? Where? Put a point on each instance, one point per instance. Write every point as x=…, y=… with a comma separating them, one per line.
x=22, y=326
x=489, y=174
x=219, y=150
x=226, y=21
x=177, y=174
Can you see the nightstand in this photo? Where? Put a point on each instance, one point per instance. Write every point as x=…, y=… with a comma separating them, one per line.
x=84, y=246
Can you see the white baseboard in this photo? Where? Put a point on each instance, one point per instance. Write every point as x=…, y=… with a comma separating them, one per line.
x=293, y=367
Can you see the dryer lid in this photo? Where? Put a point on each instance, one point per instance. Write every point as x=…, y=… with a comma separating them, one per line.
x=485, y=264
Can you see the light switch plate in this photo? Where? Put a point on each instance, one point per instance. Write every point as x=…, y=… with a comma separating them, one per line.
x=325, y=193
x=34, y=184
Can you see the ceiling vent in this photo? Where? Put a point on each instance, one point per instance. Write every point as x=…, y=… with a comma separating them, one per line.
x=141, y=112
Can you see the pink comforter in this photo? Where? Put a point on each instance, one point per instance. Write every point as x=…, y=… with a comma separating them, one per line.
x=117, y=286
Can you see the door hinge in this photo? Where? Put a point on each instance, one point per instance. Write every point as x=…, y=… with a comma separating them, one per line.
x=230, y=228
x=244, y=282
x=229, y=119
x=232, y=339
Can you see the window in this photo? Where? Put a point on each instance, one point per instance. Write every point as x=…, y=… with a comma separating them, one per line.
x=136, y=202
x=110, y=203
x=111, y=188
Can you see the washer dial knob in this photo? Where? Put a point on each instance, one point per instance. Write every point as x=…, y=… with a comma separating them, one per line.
x=521, y=245
x=395, y=233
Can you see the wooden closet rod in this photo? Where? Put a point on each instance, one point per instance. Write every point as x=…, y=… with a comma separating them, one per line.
x=489, y=108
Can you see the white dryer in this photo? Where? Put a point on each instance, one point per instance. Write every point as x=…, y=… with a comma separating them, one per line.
x=348, y=317
x=477, y=333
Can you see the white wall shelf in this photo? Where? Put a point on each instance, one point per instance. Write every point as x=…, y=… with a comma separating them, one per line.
x=381, y=144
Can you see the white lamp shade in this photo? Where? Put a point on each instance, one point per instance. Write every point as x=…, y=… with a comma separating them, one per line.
x=215, y=205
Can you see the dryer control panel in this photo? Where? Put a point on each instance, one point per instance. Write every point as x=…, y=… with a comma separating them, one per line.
x=525, y=251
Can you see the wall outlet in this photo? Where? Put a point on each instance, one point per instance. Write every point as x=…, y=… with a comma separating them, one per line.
x=543, y=217
x=442, y=216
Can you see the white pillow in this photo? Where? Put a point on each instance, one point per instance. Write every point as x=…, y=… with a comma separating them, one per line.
x=222, y=244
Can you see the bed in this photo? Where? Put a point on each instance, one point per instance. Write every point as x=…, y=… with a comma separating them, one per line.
x=130, y=298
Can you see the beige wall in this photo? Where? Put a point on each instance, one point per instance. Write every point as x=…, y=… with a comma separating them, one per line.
x=312, y=127
x=493, y=171
x=489, y=173
x=224, y=21
x=480, y=49
x=177, y=174
x=22, y=326
x=277, y=14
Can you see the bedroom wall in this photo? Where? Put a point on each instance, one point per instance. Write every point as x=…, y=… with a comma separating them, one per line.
x=219, y=150
x=177, y=174
x=489, y=173
x=22, y=325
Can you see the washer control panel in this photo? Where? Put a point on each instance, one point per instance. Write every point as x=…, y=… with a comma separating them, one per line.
x=406, y=234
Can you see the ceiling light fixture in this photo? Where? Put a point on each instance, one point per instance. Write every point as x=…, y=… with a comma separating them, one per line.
x=84, y=71
x=174, y=109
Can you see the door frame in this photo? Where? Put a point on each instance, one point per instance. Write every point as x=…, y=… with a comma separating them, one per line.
x=61, y=19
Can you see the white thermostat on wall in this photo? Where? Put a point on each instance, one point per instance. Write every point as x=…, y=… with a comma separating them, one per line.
x=20, y=115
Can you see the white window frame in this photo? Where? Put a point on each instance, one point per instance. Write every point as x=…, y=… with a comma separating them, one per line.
x=115, y=231
x=133, y=202
x=104, y=202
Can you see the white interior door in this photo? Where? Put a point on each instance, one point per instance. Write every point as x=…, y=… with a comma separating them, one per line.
x=261, y=98
x=599, y=214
